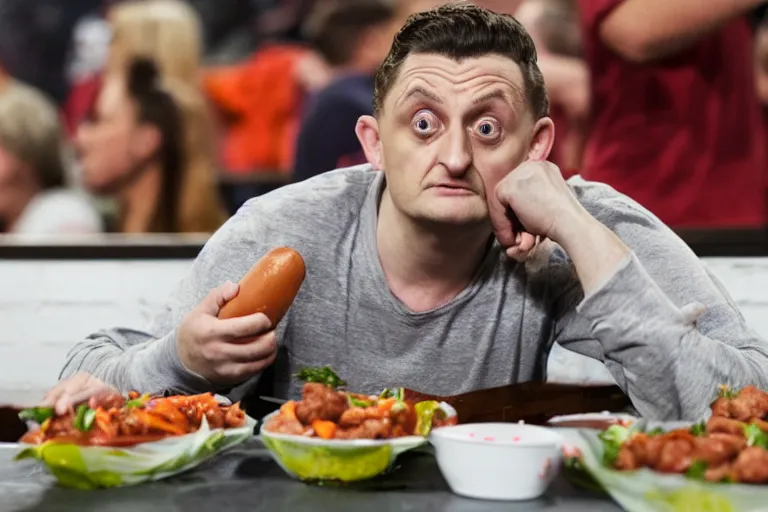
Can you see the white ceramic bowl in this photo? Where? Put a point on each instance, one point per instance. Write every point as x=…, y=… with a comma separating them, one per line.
x=498, y=461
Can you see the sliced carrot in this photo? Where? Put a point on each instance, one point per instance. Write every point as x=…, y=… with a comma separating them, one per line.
x=324, y=429
x=386, y=404
x=104, y=424
x=288, y=410
x=156, y=422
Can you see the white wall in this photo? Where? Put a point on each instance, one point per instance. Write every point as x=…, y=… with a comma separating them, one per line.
x=47, y=306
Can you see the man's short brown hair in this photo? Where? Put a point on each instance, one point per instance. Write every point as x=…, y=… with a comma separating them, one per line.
x=460, y=32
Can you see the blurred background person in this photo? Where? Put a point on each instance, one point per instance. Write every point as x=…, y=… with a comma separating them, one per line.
x=761, y=62
x=87, y=57
x=675, y=119
x=166, y=31
x=554, y=27
x=282, y=19
x=34, y=41
x=33, y=168
x=353, y=38
x=146, y=144
x=228, y=28
x=259, y=103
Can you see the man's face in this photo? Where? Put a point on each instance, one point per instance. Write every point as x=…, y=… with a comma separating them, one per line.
x=448, y=132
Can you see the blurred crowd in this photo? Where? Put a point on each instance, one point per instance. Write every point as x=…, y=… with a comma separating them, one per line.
x=149, y=116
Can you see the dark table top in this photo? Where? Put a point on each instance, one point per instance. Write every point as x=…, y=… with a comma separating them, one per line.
x=246, y=479
x=704, y=242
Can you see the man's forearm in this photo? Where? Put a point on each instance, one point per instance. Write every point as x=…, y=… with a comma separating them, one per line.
x=134, y=361
x=595, y=250
x=670, y=369
x=645, y=30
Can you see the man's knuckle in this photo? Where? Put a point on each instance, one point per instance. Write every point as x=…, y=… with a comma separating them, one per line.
x=207, y=332
x=211, y=353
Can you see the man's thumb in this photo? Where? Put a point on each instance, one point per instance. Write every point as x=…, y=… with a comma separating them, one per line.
x=216, y=299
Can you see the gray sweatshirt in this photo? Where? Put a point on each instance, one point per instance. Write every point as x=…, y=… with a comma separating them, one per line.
x=643, y=322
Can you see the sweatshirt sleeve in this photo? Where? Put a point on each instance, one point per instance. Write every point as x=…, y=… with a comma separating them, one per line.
x=147, y=360
x=659, y=352
x=663, y=325
x=133, y=360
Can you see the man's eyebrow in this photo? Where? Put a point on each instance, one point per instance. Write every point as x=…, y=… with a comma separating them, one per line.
x=418, y=90
x=497, y=94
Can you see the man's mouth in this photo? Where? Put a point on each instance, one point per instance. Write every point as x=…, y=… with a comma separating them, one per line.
x=452, y=189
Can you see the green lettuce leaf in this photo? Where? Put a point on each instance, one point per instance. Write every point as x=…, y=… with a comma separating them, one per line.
x=697, y=470
x=645, y=490
x=137, y=402
x=91, y=467
x=324, y=375
x=756, y=436
x=397, y=393
x=36, y=414
x=84, y=418
x=726, y=392
x=357, y=402
x=425, y=412
x=699, y=429
x=613, y=438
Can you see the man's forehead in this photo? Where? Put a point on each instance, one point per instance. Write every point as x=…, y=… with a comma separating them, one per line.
x=467, y=73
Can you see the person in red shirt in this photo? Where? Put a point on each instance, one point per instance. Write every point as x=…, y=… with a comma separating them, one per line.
x=676, y=123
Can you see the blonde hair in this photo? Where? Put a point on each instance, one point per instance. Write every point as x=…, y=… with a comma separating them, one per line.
x=30, y=129
x=199, y=206
x=166, y=31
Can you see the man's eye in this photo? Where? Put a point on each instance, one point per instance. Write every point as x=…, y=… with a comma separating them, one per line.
x=425, y=123
x=488, y=128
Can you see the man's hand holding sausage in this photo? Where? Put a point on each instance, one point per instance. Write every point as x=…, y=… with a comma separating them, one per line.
x=225, y=352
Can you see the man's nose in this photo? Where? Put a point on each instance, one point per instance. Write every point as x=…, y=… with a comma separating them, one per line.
x=456, y=151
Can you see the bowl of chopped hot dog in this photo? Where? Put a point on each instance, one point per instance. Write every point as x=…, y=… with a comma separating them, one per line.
x=720, y=463
x=332, y=434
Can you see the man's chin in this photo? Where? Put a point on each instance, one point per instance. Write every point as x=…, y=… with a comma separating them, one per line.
x=455, y=217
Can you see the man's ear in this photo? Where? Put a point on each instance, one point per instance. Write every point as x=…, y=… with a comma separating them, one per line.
x=367, y=130
x=543, y=139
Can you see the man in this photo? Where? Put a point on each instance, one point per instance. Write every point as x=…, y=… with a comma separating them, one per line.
x=676, y=123
x=354, y=38
x=417, y=276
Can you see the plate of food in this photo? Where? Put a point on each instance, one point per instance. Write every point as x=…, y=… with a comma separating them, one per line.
x=720, y=464
x=133, y=439
x=594, y=420
x=332, y=434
